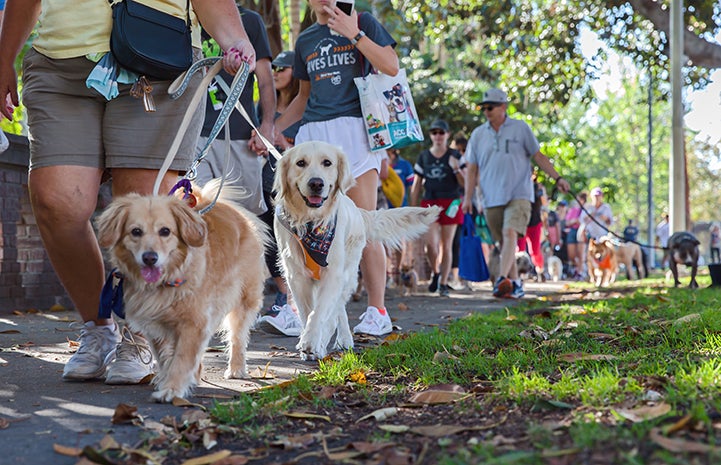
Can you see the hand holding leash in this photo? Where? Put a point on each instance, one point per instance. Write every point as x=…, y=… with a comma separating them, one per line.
x=563, y=185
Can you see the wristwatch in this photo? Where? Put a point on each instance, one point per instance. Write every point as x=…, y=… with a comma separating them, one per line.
x=358, y=37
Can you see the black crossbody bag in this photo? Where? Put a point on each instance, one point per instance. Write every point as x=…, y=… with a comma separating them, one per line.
x=149, y=42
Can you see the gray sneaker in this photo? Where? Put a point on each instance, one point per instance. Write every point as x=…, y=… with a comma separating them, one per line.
x=282, y=321
x=132, y=362
x=96, y=343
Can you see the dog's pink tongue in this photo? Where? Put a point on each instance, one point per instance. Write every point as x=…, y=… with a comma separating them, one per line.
x=150, y=273
x=315, y=200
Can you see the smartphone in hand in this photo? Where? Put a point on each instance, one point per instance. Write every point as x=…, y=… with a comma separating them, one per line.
x=346, y=6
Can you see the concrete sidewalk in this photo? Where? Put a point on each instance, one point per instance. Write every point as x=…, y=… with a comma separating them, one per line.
x=38, y=409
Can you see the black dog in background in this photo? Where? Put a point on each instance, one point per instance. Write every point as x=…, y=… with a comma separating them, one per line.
x=683, y=250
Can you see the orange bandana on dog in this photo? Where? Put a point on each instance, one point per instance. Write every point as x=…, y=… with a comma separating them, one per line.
x=605, y=262
x=315, y=243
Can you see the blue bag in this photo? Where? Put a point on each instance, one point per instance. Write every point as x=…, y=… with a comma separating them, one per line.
x=471, y=262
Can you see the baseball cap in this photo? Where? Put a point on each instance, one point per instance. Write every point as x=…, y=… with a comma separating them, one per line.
x=494, y=95
x=563, y=202
x=440, y=124
x=596, y=191
x=284, y=59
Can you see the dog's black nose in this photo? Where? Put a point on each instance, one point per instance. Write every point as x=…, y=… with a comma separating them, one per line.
x=150, y=258
x=316, y=185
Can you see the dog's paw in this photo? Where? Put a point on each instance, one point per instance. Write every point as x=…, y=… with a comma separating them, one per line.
x=166, y=396
x=693, y=284
x=238, y=373
x=307, y=356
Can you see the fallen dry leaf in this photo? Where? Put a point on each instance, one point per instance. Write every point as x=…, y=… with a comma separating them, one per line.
x=687, y=318
x=125, y=413
x=207, y=459
x=645, y=413
x=579, y=356
x=678, y=445
x=307, y=416
x=380, y=414
x=442, y=394
x=66, y=450
x=180, y=402
x=395, y=429
x=233, y=460
x=10, y=331
x=294, y=442
x=57, y=308
x=358, y=377
x=4, y=423
x=677, y=426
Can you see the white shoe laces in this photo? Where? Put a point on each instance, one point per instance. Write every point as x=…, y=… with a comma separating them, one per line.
x=129, y=347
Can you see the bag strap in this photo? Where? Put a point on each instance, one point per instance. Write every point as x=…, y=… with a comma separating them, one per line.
x=187, y=9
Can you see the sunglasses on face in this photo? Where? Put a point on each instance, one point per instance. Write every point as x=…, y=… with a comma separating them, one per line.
x=279, y=69
x=488, y=107
x=436, y=133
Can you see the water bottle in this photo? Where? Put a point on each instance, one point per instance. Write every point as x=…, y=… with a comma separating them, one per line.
x=452, y=209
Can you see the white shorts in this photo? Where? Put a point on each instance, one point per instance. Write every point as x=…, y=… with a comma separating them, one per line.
x=348, y=133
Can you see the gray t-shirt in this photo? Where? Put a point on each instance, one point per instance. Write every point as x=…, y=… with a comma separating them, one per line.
x=504, y=161
x=330, y=62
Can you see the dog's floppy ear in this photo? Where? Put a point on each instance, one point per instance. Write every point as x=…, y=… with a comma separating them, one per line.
x=191, y=227
x=112, y=221
x=281, y=183
x=345, y=178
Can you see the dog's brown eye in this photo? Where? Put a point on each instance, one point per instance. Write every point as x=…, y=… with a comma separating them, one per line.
x=164, y=232
x=327, y=163
x=300, y=163
x=136, y=232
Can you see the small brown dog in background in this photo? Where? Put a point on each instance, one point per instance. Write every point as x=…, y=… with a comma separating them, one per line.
x=409, y=278
x=602, y=262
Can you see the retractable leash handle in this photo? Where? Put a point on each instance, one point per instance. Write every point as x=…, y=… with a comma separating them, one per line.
x=177, y=88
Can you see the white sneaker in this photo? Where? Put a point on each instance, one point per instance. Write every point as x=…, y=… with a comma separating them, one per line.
x=132, y=361
x=96, y=343
x=281, y=320
x=374, y=322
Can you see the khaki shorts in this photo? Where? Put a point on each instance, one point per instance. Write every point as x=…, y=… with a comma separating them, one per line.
x=70, y=124
x=515, y=215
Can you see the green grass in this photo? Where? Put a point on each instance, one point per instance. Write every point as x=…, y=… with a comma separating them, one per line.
x=652, y=338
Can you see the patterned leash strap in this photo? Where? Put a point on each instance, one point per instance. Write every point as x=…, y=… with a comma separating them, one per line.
x=238, y=106
x=177, y=88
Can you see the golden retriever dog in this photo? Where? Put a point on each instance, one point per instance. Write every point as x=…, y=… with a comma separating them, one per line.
x=185, y=275
x=312, y=208
x=602, y=262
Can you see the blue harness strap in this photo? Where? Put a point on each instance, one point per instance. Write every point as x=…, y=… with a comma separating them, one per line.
x=111, y=297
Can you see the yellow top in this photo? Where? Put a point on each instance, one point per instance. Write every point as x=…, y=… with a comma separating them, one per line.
x=75, y=28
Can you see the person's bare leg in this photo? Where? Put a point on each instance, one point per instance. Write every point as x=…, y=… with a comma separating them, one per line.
x=448, y=231
x=432, y=240
x=373, y=262
x=63, y=199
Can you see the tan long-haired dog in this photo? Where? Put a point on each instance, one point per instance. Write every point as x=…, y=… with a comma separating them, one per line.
x=184, y=275
x=311, y=184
